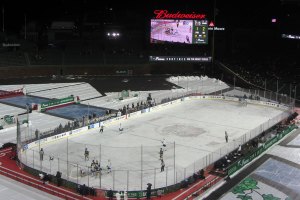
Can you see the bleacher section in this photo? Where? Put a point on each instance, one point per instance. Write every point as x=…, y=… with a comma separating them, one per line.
x=32, y=88
x=12, y=59
x=50, y=56
x=84, y=91
x=77, y=53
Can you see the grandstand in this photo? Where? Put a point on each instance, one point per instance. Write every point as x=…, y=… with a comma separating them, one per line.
x=65, y=74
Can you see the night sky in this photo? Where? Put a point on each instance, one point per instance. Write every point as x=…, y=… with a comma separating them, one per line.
x=229, y=13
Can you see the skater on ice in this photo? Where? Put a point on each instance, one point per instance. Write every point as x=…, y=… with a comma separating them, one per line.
x=164, y=142
x=86, y=154
x=161, y=154
x=162, y=168
x=101, y=129
x=41, y=154
x=120, y=128
x=164, y=145
x=188, y=39
x=108, y=166
x=226, y=136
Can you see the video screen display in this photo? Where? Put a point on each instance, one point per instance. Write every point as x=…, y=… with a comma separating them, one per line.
x=179, y=31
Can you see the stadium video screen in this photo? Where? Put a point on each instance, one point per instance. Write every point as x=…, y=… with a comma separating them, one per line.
x=179, y=31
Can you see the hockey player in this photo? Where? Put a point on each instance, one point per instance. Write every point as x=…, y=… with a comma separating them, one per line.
x=101, y=129
x=161, y=154
x=41, y=154
x=226, y=136
x=108, y=166
x=177, y=23
x=188, y=39
x=120, y=128
x=162, y=168
x=86, y=154
x=164, y=143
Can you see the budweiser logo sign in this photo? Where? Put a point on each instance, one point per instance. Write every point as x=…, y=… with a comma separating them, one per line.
x=164, y=14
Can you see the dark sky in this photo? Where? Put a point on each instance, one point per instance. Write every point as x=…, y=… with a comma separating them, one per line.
x=230, y=13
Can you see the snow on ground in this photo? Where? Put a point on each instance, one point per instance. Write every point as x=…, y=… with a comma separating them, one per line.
x=188, y=84
x=10, y=110
x=197, y=127
x=40, y=121
x=199, y=84
x=84, y=91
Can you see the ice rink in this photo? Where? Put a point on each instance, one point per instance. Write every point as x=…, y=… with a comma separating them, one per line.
x=196, y=127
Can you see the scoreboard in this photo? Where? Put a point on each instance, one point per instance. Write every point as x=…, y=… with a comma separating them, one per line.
x=179, y=31
x=200, y=32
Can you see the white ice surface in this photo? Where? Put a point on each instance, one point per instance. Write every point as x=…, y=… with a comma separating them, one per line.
x=197, y=127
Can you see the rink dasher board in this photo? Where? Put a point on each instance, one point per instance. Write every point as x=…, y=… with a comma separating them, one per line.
x=250, y=101
x=83, y=130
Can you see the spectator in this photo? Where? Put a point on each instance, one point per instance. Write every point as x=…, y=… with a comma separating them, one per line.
x=41, y=154
x=118, y=196
x=58, y=178
x=110, y=194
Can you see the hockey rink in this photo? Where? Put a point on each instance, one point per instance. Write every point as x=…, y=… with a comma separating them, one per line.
x=194, y=131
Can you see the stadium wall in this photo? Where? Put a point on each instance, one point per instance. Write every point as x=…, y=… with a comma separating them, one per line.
x=133, y=69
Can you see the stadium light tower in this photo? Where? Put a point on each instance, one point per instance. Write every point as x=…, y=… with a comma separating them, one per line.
x=113, y=35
